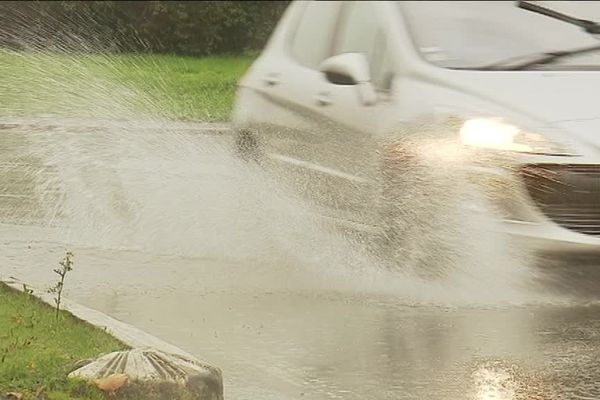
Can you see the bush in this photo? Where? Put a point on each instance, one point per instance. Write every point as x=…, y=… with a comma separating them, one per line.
x=185, y=28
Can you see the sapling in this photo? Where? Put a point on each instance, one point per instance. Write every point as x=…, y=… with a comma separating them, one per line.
x=66, y=265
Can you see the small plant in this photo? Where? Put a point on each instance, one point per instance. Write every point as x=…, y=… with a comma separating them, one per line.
x=66, y=265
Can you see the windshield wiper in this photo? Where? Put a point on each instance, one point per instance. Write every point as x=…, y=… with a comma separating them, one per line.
x=524, y=62
x=515, y=64
x=588, y=26
x=531, y=60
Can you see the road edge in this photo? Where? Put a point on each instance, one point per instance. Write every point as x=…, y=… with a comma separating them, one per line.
x=126, y=333
x=150, y=125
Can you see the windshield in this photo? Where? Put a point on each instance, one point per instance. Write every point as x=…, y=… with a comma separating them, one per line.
x=472, y=34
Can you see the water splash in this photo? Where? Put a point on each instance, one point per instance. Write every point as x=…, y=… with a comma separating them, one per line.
x=112, y=170
x=154, y=188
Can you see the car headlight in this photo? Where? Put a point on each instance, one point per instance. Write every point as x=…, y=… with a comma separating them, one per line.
x=493, y=134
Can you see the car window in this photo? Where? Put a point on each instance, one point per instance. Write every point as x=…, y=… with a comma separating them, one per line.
x=361, y=31
x=472, y=34
x=312, y=40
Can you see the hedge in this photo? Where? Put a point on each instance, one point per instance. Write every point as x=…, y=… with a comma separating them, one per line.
x=179, y=27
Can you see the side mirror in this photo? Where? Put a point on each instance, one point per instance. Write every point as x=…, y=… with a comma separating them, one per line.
x=351, y=69
x=346, y=69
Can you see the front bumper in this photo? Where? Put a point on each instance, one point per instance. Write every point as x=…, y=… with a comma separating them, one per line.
x=519, y=203
x=550, y=238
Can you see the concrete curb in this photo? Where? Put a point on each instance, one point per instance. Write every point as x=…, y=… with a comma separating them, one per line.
x=128, y=334
x=51, y=122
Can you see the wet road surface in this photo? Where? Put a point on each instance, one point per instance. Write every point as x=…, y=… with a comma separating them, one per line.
x=284, y=326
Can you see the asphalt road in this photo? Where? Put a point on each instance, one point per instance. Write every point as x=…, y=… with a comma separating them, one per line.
x=216, y=261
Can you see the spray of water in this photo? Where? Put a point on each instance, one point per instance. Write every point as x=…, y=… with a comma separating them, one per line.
x=165, y=191
x=112, y=170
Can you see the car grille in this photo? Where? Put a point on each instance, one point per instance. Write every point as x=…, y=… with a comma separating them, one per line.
x=568, y=194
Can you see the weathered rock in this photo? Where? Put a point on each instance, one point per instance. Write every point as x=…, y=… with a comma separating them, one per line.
x=80, y=363
x=153, y=374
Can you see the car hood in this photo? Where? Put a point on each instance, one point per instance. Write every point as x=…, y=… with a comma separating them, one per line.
x=548, y=96
x=567, y=100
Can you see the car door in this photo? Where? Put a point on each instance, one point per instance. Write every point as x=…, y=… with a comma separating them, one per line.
x=351, y=148
x=316, y=135
x=291, y=127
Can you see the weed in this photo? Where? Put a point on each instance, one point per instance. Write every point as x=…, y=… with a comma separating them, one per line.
x=66, y=266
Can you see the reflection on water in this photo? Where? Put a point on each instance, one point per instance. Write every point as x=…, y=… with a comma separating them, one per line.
x=493, y=383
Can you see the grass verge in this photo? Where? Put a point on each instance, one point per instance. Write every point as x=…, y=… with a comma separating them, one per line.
x=119, y=85
x=37, y=352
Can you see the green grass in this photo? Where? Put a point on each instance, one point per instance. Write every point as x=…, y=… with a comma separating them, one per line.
x=119, y=85
x=36, y=352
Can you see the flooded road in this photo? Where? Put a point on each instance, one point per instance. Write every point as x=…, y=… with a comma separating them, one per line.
x=177, y=238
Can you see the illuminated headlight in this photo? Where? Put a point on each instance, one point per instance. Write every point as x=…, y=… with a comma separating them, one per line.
x=493, y=134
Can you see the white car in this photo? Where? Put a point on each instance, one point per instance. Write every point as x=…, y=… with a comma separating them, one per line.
x=348, y=97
